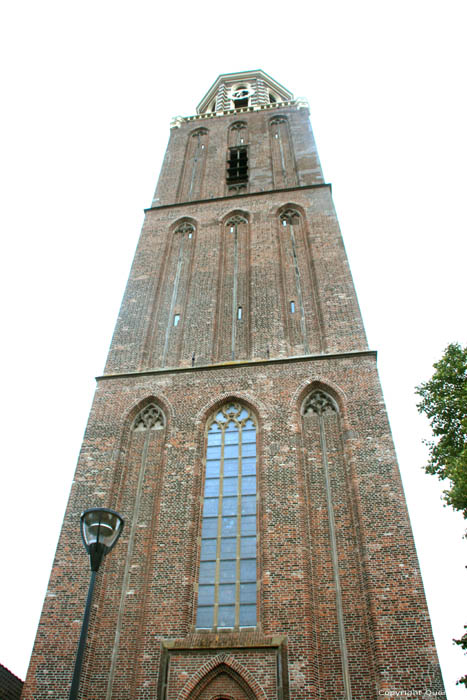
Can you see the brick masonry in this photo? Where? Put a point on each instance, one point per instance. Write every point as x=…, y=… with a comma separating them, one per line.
x=341, y=607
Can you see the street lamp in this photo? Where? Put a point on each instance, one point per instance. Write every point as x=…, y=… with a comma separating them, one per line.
x=100, y=530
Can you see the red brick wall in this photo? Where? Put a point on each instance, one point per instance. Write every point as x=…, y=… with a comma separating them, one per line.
x=388, y=633
x=332, y=317
x=337, y=573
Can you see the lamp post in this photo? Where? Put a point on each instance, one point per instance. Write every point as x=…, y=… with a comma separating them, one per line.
x=100, y=530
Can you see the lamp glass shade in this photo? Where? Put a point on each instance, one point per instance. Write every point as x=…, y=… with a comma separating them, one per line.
x=101, y=526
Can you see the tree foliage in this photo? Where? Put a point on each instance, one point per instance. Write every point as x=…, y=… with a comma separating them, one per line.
x=462, y=642
x=444, y=402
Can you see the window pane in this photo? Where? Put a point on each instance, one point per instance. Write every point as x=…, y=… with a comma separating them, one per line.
x=230, y=467
x=249, y=448
x=247, y=547
x=247, y=615
x=227, y=571
x=229, y=505
x=249, y=484
x=249, y=424
x=230, y=486
x=243, y=415
x=206, y=595
x=249, y=525
x=248, y=593
x=207, y=571
x=211, y=487
x=229, y=526
x=214, y=438
x=249, y=465
x=205, y=617
x=248, y=435
x=228, y=548
x=231, y=438
x=248, y=570
x=248, y=505
x=210, y=506
x=213, y=467
x=227, y=593
x=226, y=616
x=213, y=452
x=231, y=450
x=209, y=527
x=208, y=549
x=230, y=427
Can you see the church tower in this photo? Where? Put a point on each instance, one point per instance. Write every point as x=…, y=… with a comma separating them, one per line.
x=240, y=429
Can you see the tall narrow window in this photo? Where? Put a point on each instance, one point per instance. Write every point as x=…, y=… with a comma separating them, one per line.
x=192, y=177
x=227, y=574
x=237, y=165
x=282, y=151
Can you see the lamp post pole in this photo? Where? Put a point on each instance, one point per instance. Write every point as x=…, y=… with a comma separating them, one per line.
x=100, y=530
x=82, y=640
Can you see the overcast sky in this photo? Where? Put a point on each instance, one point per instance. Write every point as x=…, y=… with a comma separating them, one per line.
x=88, y=92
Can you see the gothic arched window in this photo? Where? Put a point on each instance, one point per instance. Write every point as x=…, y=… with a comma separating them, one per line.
x=227, y=573
x=192, y=177
x=232, y=310
x=282, y=151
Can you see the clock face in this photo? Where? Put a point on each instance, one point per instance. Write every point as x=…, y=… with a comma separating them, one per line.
x=240, y=94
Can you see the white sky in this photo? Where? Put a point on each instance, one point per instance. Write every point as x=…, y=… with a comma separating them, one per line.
x=88, y=92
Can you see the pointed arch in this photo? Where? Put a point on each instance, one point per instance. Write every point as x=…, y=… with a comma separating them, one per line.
x=331, y=487
x=222, y=663
x=237, y=158
x=301, y=307
x=238, y=134
x=194, y=166
x=233, y=302
x=169, y=321
x=137, y=488
x=250, y=401
x=284, y=168
x=239, y=215
x=184, y=226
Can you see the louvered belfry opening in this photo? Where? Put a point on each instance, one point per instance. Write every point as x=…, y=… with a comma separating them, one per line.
x=237, y=168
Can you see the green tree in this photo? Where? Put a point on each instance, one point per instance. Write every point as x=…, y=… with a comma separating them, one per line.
x=444, y=402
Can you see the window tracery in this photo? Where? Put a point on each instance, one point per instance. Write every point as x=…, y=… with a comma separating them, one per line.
x=185, y=227
x=289, y=216
x=227, y=574
x=319, y=402
x=150, y=418
x=236, y=220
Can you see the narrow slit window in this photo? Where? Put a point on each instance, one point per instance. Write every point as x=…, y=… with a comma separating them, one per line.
x=239, y=313
x=176, y=319
x=292, y=307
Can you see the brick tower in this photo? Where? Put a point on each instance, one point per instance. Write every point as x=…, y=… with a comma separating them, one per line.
x=240, y=429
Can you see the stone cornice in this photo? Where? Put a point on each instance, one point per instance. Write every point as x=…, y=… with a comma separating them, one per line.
x=239, y=196
x=300, y=103
x=240, y=363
